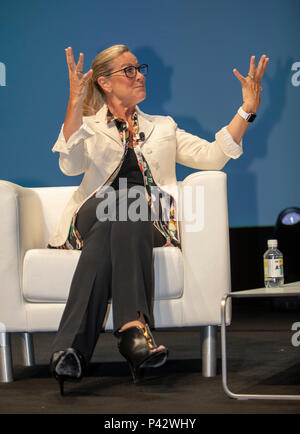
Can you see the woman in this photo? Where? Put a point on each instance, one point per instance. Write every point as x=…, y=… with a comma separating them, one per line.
x=117, y=147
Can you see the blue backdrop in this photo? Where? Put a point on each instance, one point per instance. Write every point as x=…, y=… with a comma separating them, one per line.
x=191, y=47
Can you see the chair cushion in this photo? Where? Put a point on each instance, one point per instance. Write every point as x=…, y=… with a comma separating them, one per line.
x=47, y=274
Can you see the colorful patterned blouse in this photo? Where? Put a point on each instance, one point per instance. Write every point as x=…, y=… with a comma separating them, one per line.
x=167, y=228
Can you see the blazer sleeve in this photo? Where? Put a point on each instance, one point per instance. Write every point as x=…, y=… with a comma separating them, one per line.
x=192, y=151
x=72, y=154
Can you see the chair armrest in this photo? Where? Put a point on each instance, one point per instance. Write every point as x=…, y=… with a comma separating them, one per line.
x=21, y=229
x=205, y=247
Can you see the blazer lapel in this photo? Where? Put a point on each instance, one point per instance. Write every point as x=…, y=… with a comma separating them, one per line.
x=145, y=125
x=109, y=129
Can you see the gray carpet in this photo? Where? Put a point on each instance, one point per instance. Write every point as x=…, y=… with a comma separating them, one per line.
x=261, y=359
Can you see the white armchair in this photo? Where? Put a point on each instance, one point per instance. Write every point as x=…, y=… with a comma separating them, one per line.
x=35, y=281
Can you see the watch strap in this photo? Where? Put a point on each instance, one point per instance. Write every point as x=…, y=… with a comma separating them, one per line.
x=249, y=117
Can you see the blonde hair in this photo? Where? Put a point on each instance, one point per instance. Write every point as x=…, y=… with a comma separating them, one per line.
x=102, y=65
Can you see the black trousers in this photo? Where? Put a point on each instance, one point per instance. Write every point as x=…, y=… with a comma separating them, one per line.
x=115, y=264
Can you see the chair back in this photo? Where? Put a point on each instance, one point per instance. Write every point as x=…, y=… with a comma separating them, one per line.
x=52, y=201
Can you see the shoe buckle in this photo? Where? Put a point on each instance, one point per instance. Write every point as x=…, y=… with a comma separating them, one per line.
x=148, y=335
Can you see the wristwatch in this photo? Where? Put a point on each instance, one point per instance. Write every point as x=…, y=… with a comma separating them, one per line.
x=249, y=117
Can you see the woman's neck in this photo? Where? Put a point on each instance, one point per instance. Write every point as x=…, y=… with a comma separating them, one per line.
x=121, y=110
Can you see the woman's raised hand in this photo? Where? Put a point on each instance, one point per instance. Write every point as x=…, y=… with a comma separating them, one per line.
x=251, y=85
x=78, y=80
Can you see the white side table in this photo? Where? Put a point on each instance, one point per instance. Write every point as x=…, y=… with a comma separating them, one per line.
x=289, y=290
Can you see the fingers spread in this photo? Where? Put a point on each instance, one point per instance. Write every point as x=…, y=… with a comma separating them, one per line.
x=262, y=66
x=238, y=75
x=79, y=66
x=252, y=66
x=265, y=65
x=89, y=74
x=70, y=59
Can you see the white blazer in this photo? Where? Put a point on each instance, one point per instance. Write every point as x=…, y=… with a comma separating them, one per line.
x=96, y=150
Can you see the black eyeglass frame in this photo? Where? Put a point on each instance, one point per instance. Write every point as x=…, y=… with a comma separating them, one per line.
x=137, y=68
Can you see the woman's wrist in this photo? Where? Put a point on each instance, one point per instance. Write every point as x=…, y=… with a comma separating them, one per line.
x=248, y=108
x=76, y=101
x=73, y=120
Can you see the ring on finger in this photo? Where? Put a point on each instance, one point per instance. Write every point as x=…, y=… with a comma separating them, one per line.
x=251, y=76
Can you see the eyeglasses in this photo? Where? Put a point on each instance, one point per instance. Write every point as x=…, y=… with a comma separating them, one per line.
x=130, y=71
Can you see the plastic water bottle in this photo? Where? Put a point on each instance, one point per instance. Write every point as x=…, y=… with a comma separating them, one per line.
x=273, y=266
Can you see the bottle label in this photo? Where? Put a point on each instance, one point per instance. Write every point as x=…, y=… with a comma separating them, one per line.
x=273, y=268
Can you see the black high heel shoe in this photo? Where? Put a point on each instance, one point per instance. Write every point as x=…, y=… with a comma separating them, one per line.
x=67, y=365
x=136, y=345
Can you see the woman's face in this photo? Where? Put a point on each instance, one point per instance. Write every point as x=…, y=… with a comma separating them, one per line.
x=129, y=91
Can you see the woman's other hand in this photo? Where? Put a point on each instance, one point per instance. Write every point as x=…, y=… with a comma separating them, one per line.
x=251, y=85
x=78, y=80
x=78, y=89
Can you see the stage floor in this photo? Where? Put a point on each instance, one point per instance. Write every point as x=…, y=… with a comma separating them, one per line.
x=261, y=359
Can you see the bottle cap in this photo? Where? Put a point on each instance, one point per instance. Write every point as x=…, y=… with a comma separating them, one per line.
x=272, y=243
